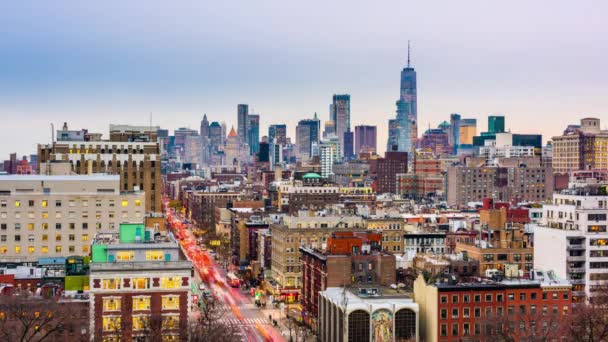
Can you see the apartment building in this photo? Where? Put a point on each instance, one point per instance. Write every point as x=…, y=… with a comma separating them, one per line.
x=453, y=311
x=392, y=230
x=585, y=148
x=572, y=239
x=307, y=229
x=514, y=180
x=48, y=216
x=136, y=159
x=139, y=286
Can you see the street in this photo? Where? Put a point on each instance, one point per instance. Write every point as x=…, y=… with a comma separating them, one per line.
x=237, y=307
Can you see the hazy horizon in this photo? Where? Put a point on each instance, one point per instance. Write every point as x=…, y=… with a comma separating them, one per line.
x=540, y=64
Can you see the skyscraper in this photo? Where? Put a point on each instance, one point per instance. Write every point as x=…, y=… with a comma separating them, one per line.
x=496, y=124
x=215, y=136
x=253, y=133
x=405, y=129
x=349, y=139
x=278, y=131
x=454, y=136
x=365, y=139
x=242, y=117
x=307, y=134
x=205, y=127
x=340, y=115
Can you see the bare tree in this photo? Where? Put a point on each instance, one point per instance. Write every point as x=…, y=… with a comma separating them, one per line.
x=589, y=321
x=24, y=317
x=209, y=325
x=524, y=325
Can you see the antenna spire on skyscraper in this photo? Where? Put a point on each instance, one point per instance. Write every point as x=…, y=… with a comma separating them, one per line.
x=408, y=53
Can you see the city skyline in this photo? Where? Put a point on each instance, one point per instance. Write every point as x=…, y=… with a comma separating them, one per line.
x=108, y=66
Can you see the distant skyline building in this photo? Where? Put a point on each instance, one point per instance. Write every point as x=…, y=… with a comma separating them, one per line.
x=307, y=134
x=404, y=130
x=496, y=124
x=279, y=132
x=253, y=133
x=339, y=114
x=468, y=129
x=204, y=132
x=242, y=120
x=365, y=139
x=454, y=136
x=349, y=140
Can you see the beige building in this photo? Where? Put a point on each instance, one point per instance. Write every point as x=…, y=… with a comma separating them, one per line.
x=137, y=163
x=304, y=230
x=49, y=216
x=583, y=149
x=392, y=232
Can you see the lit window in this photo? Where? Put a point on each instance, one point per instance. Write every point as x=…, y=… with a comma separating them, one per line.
x=58, y=215
x=111, y=323
x=110, y=284
x=125, y=255
x=45, y=215
x=85, y=237
x=17, y=203
x=30, y=249
x=85, y=203
x=141, y=322
x=170, y=302
x=57, y=249
x=138, y=203
x=3, y=250
x=98, y=215
x=170, y=282
x=45, y=237
x=71, y=249
x=85, y=249
x=141, y=283
x=45, y=203
x=57, y=237
x=17, y=249
x=141, y=303
x=30, y=226
x=154, y=255
x=125, y=203
x=170, y=322
x=111, y=304
x=45, y=249
x=45, y=226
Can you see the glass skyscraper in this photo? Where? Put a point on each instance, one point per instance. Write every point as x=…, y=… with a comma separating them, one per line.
x=403, y=130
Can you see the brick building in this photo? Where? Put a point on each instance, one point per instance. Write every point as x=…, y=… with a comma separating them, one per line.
x=452, y=311
x=387, y=168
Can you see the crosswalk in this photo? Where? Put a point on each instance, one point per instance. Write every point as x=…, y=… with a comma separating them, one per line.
x=245, y=321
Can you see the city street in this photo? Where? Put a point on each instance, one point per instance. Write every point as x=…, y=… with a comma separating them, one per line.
x=238, y=307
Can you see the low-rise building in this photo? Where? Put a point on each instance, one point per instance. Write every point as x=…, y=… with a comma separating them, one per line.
x=367, y=314
x=139, y=285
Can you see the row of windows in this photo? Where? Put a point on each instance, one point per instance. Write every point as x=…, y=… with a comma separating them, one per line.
x=455, y=313
x=140, y=283
x=72, y=214
x=43, y=249
x=499, y=297
x=45, y=237
x=169, y=302
x=489, y=328
x=71, y=203
x=58, y=226
x=140, y=322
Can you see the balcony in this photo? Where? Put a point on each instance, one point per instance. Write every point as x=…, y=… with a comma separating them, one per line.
x=575, y=248
x=575, y=258
x=576, y=270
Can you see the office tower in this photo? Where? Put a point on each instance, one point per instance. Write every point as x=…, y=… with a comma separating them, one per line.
x=204, y=127
x=224, y=132
x=233, y=149
x=215, y=136
x=405, y=131
x=393, y=163
x=349, y=138
x=436, y=140
x=278, y=131
x=467, y=130
x=340, y=115
x=180, y=139
x=242, y=117
x=496, y=124
x=264, y=153
x=329, y=129
x=454, y=136
x=307, y=134
x=253, y=133
x=365, y=139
